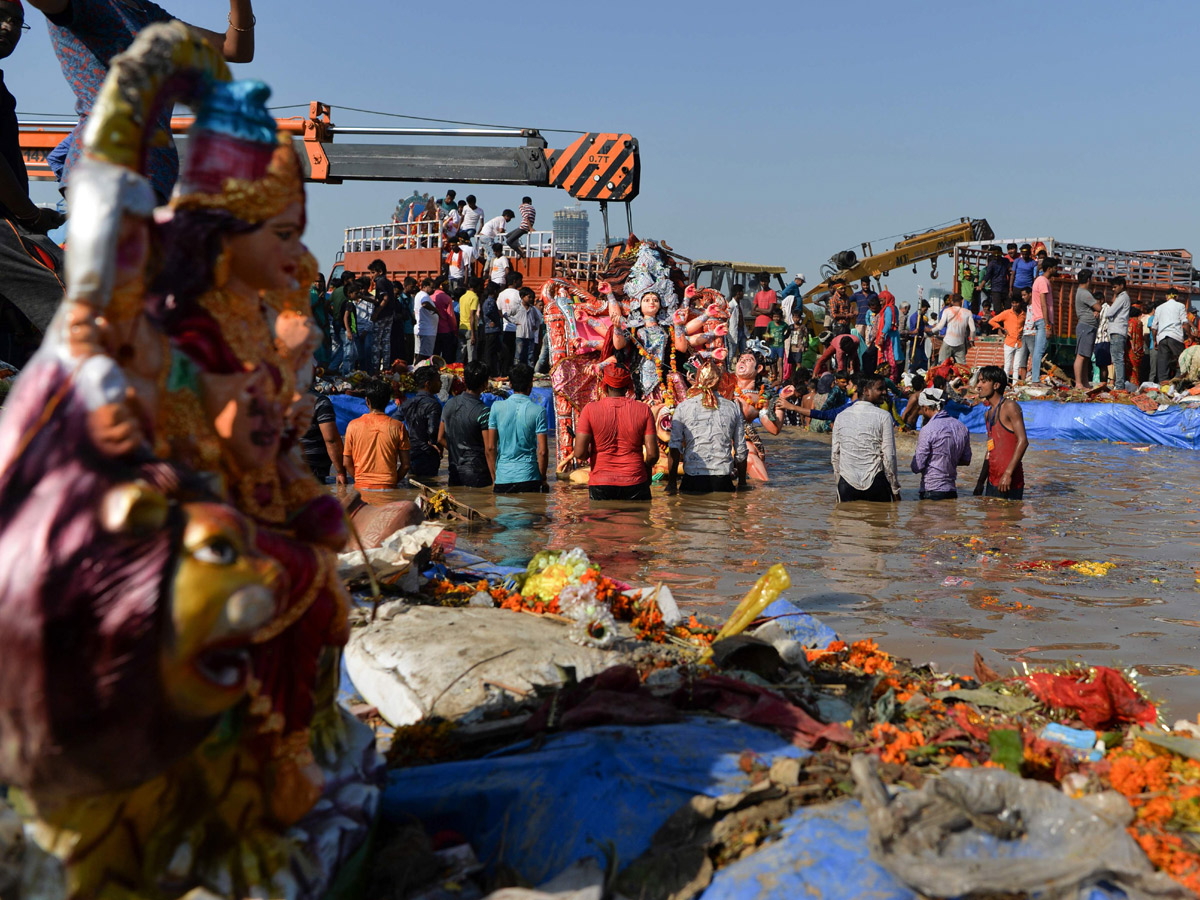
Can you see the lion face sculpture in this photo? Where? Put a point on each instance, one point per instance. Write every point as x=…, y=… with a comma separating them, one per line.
x=135, y=635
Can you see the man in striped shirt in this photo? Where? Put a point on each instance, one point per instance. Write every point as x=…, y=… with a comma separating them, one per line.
x=528, y=215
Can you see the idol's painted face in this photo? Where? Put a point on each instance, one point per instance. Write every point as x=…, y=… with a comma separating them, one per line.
x=268, y=258
x=651, y=304
x=747, y=366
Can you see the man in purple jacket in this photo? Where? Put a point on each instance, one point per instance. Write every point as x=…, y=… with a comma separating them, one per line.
x=942, y=446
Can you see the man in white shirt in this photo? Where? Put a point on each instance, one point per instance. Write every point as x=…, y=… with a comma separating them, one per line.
x=1117, y=317
x=960, y=330
x=864, y=448
x=509, y=302
x=426, y=324
x=1170, y=319
x=493, y=229
x=499, y=267
x=472, y=218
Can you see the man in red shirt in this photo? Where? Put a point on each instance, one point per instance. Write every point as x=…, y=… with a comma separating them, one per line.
x=616, y=435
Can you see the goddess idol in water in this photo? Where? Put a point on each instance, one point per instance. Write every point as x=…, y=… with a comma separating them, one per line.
x=170, y=614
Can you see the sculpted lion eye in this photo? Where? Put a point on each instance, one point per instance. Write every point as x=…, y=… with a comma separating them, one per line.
x=218, y=552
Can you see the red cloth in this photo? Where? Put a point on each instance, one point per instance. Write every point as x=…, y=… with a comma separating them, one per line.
x=445, y=312
x=614, y=697
x=1101, y=704
x=617, y=426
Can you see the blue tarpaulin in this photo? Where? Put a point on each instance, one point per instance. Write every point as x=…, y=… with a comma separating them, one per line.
x=347, y=408
x=1048, y=420
x=541, y=810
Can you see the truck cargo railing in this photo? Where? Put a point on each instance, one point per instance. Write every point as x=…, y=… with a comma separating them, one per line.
x=392, y=236
x=535, y=244
x=1140, y=267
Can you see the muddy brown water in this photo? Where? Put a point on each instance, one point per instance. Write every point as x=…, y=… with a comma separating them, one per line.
x=933, y=581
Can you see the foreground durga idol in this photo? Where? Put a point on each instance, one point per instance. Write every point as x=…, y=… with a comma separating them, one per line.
x=170, y=614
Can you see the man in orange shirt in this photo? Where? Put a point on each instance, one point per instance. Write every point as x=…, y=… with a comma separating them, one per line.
x=376, y=452
x=1012, y=320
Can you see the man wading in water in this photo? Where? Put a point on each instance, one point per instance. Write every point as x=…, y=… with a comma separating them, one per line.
x=1007, y=442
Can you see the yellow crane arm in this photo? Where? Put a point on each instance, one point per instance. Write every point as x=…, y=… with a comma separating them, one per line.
x=927, y=245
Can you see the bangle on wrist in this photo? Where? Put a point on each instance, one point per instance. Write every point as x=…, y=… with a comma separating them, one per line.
x=253, y=22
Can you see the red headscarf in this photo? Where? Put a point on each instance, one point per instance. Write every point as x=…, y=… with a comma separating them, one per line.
x=886, y=299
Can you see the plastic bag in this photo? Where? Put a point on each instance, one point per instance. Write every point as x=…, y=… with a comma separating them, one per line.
x=987, y=830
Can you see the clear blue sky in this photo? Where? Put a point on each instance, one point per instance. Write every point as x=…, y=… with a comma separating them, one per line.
x=770, y=132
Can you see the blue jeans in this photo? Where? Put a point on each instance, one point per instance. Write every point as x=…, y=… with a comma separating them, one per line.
x=526, y=351
x=1039, y=350
x=364, y=342
x=1116, y=346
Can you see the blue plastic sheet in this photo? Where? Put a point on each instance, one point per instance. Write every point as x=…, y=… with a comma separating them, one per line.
x=541, y=810
x=799, y=625
x=822, y=852
x=1046, y=420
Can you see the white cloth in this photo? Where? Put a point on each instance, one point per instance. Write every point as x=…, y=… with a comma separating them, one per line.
x=864, y=443
x=1169, y=320
x=508, y=303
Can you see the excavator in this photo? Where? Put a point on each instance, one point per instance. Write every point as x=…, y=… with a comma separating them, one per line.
x=912, y=249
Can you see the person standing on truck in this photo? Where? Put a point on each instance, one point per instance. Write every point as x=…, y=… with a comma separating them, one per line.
x=1012, y=320
x=960, y=330
x=493, y=230
x=1087, y=308
x=472, y=219
x=528, y=217
x=1024, y=270
x=862, y=302
x=842, y=309
x=1041, y=316
x=995, y=279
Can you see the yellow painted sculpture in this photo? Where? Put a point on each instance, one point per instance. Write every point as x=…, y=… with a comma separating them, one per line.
x=169, y=672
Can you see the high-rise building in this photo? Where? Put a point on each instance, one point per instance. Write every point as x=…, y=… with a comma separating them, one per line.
x=571, y=230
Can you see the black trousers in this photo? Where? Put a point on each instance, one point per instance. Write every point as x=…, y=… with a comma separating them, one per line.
x=938, y=495
x=508, y=351
x=706, y=484
x=878, y=491
x=521, y=487
x=31, y=288
x=493, y=350
x=620, y=491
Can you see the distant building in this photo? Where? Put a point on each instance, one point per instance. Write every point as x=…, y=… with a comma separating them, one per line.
x=571, y=230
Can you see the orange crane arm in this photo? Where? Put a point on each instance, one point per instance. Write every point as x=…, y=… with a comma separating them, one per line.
x=600, y=166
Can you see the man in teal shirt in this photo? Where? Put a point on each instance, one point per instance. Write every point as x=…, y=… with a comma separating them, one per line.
x=520, y=450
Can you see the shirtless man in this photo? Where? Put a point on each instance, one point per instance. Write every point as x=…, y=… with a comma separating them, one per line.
x=1007, y=441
